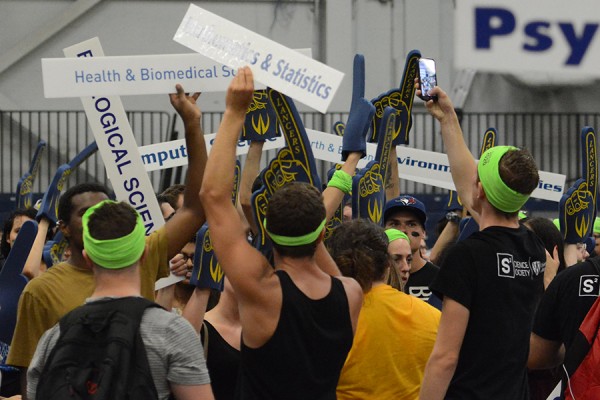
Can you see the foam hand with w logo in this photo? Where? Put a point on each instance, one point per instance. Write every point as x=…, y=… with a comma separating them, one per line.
x=207, y=273
x=400, y=99
x=577, y=207
x=368, y=194
x=261, y=120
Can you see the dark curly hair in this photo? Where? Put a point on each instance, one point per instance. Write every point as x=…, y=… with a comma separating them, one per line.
x=360, y=249
x=8, y=225
x=65, y=205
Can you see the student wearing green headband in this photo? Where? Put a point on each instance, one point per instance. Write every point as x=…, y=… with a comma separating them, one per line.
x=114, y=246
x=66, y=285
x=401, y=257
x=490, y=281
x=296, y=314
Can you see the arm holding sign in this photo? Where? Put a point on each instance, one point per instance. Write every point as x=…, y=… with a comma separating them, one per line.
x=462, y=163
x=190, y=217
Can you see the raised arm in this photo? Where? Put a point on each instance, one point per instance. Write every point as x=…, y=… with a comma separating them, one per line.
x=244, y=266
x=462, y=163
x=34, y=264
x=333, y=196
x=190, y=217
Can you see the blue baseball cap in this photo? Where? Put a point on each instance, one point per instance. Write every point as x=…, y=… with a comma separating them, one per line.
x=405, y=203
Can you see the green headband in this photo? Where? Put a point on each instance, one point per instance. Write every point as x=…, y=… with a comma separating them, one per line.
x=498, y=194
x=556, y=223
x=294, y=241
x=596, y=225
x=114, y=253
x=394, y=234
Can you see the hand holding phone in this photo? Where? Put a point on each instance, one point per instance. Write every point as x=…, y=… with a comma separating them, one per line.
x=427, y=78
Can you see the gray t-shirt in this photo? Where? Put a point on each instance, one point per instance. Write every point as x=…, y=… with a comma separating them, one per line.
x=173, y=348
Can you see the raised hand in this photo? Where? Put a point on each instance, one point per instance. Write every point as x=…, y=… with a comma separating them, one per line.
x=185, y=105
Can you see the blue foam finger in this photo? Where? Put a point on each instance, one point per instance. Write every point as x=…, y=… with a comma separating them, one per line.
x=25, y=184
x=361, y=113
x=384, y=143
x=49, y=207
x=489, y=140
x=83, y=155
x=401, y=99
x=12, y=282
x=589, y=163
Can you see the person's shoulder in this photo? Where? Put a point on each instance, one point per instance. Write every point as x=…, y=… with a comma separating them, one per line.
x=159, y=318
x=431, y=266
x=351, y=287
x=158, y=234
x=575, y=272
x=40, y=284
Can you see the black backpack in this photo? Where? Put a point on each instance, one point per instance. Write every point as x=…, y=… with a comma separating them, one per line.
x=100, y=354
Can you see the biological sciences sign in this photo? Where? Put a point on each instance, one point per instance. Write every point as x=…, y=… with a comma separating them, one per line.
x=514, y=36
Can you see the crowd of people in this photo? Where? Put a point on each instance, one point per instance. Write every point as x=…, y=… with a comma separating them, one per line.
x=363, y=314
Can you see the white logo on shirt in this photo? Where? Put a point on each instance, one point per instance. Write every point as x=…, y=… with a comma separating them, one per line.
x=508, y=267
x=589, y=285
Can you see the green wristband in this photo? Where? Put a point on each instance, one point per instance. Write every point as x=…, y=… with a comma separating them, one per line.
x=342, y=181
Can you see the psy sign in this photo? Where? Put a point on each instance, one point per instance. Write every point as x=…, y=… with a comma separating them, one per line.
x=533, y=35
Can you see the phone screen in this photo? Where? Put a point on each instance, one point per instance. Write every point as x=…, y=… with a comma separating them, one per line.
x=427, y=76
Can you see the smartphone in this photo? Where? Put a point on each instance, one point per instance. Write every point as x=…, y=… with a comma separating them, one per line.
x=427, y=78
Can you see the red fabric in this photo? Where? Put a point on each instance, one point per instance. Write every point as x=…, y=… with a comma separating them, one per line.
x=585, y=382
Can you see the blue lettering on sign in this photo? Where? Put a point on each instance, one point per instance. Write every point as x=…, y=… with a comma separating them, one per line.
x=495, y=22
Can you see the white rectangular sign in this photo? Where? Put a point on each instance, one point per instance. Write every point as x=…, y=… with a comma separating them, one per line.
x=285, y=70
x=417, y=165
x=135, y=75
x=553, y=36
x=119, y=151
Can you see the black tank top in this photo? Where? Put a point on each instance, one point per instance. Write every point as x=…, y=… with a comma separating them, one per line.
x=223, y=362
x=304, y=357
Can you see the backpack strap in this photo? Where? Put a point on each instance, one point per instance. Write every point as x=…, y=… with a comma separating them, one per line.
x=133, y=307
x=204, y=336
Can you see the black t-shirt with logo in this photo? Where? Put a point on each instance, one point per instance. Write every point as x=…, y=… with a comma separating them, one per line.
x=418, y=282
x=497, y=274
x=566, y=302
